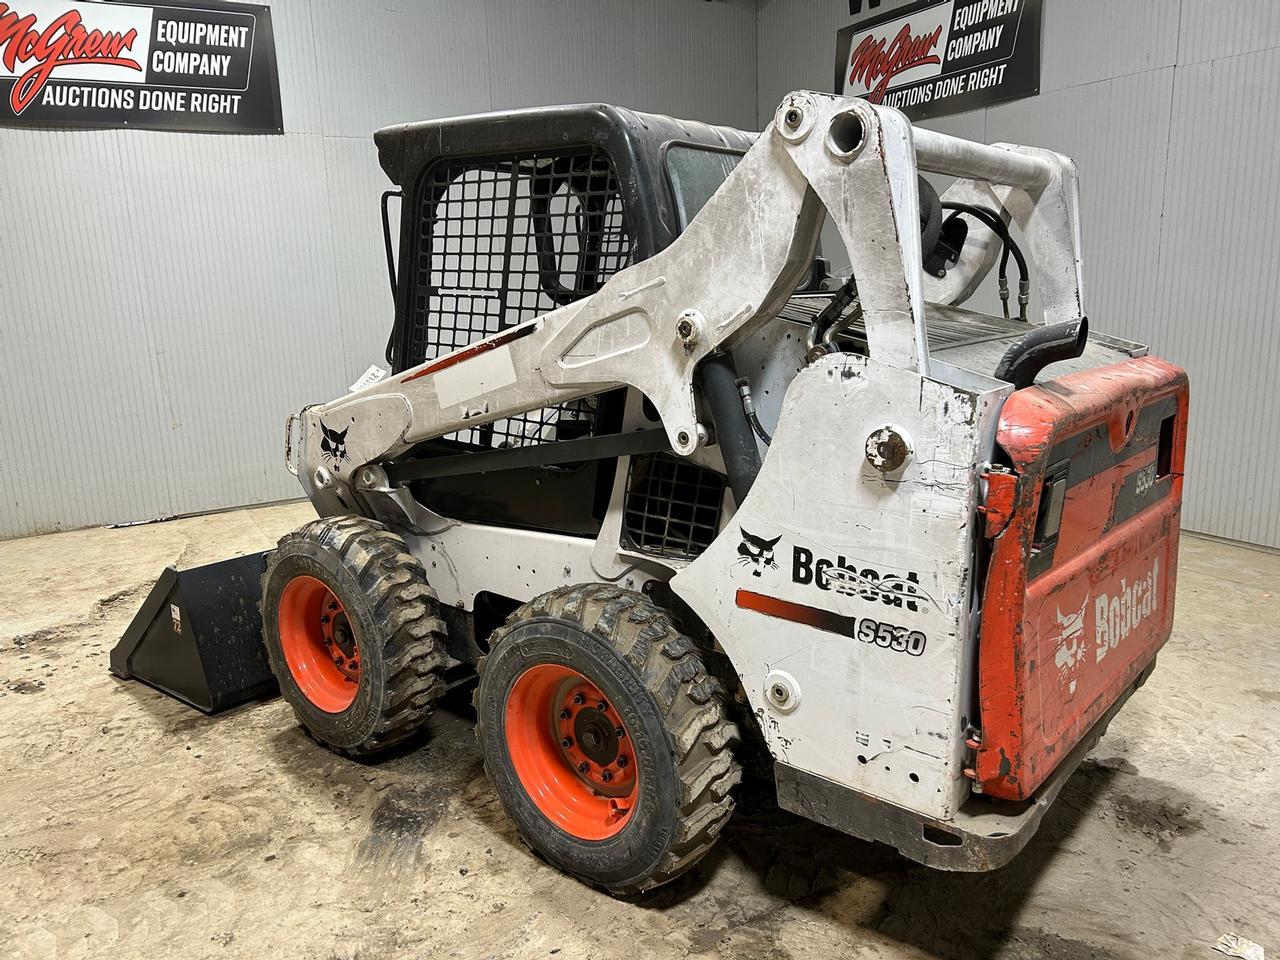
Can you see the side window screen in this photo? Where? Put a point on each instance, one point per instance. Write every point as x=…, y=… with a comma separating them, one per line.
x=501, y=240
x=696, y=173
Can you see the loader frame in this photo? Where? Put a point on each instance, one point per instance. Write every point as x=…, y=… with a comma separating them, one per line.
x=916, y=436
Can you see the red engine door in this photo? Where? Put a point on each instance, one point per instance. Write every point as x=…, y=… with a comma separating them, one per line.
x=1079, y=592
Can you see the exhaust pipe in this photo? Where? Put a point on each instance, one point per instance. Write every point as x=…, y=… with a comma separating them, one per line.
x=1031, y=353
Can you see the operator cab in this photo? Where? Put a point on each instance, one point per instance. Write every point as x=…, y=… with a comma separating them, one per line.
x=505, y=217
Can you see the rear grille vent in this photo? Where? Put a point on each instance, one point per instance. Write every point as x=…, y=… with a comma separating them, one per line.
x=672, y=506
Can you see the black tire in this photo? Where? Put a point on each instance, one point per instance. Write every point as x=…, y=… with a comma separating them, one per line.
x=393, y=614
x=673, y=710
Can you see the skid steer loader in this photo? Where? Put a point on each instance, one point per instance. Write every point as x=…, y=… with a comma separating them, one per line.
x=672, y=490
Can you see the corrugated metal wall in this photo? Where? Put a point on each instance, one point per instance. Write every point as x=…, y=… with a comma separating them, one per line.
x=166, y=298
x=1170, y=109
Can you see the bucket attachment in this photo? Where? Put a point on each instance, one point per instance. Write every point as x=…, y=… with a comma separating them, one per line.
x=198, y=636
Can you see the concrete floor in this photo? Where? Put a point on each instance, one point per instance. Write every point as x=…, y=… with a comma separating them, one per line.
x=134, y=826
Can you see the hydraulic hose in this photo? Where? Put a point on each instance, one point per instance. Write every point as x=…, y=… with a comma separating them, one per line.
x=737, y=444
x=1001, y=229
x=840, y=326
x=847, y=294
x=749, y=408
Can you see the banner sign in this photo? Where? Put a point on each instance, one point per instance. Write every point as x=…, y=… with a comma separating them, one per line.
x=208, y=66
x=934, y=57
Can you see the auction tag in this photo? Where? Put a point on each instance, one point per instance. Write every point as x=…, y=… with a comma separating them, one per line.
x=369, y=377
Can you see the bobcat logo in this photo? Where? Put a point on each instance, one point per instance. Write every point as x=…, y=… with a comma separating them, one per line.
x=1070, y=641
x=334, y=443
x=757, y=553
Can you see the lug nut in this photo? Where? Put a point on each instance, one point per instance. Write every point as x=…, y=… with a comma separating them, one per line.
x=622, y=761
x=324, y=618
x=620, y=732
x=602, y=706
x=583, y=767
x=333, y=606
x=579, y=699
x=564, y=714
x=606, y=776
x=566, y=742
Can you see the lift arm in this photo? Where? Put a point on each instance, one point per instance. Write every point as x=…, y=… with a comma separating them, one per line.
x=731, y=270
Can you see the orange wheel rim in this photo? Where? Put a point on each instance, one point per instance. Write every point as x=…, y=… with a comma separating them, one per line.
x=319, y=644
x=571, y=751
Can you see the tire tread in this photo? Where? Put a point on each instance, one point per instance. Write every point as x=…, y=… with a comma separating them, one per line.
x=404, y=606
x=692, y=702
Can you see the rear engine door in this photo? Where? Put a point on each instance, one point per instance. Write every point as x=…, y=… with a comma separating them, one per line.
x=1079, y=592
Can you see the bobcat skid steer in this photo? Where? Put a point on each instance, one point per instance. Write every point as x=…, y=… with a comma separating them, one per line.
x=673, y=492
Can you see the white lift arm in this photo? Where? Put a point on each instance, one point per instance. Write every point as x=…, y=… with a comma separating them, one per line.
x=731, y=270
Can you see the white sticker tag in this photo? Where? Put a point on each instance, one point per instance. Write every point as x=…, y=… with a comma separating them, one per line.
x=369, y=377
x=474, y=377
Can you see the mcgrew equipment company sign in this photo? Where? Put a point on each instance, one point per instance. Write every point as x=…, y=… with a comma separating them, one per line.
x=934, y=57
x=207, y=66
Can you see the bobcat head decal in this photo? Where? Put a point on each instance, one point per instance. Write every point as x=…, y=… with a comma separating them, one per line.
x=1070, y=639
x=757, y=553
x=334, y=443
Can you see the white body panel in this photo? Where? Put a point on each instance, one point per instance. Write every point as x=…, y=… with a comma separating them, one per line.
x=468, y=558
x=878, y=719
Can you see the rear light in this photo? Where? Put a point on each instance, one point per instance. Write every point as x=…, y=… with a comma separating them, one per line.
x=1164, y=449
x=1053, y=493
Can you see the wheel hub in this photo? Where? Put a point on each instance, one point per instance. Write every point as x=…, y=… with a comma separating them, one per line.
x=319, y=644
x=571, y=751
x=595, y=735
x=340, y=640
x=591, y=734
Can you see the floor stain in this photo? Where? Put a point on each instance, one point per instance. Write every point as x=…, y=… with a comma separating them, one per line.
x=24, y=686
x=1162, y=821
x=398, y=826
x=1118, y=764
x=1046, y=945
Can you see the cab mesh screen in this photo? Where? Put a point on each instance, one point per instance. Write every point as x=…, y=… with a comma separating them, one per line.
x=502, y=240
